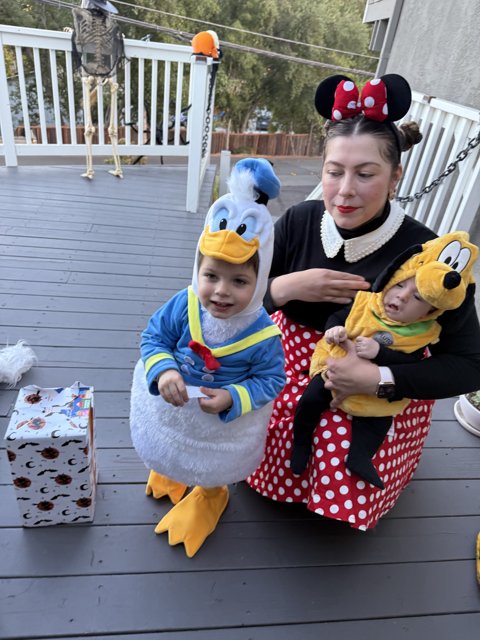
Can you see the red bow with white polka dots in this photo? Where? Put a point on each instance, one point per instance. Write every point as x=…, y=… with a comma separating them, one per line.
x=372, y=102
x=385, y=99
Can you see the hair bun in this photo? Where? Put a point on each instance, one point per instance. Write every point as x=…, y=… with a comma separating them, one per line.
x=410, y=135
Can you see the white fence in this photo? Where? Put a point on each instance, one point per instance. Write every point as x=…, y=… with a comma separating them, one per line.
x=447, y=128
x=41, y=103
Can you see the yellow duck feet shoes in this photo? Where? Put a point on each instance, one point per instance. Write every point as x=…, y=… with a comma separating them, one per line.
x=159, y=486
x=193, y=519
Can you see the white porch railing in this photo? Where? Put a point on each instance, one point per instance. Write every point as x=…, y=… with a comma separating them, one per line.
x=41, y=103
x=447, y=127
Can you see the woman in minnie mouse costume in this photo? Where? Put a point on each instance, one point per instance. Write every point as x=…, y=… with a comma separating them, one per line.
x=326, y=251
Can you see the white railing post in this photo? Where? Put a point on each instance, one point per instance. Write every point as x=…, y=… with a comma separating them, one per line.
x=196, y=123
x=209, y=113
x=6, y=122
x=224, y=172
x=465, y=216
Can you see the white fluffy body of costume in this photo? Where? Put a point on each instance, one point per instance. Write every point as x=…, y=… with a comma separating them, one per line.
x=191, y=446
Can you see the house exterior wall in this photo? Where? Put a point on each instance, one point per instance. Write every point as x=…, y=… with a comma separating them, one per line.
x=437, y=48
x=378, y=10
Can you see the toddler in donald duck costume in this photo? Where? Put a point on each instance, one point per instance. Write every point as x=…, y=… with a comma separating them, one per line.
x=211, y=364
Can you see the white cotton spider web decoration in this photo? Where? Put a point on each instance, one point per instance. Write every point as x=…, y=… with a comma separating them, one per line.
x=15, y=360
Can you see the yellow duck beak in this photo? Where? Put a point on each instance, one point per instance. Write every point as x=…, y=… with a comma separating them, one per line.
x=227, y=245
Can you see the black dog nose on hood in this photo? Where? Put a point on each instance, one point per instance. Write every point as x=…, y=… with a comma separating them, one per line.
x=451, y=280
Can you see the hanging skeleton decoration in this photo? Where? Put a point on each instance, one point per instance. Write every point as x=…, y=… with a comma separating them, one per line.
x=97, y=45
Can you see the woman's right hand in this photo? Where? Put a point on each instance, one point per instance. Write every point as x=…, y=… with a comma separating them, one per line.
x=317, y=285
x=171, y=387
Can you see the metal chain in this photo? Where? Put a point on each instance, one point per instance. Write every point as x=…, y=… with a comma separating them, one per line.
x=472, y=143
x=208, y=118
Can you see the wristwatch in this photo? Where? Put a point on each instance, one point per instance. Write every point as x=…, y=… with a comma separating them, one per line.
x=386, y=386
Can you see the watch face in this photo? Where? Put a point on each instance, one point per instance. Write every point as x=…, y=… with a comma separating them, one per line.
x=386, y=390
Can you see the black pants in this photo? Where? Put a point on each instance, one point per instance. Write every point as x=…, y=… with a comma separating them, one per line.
x=368, y=433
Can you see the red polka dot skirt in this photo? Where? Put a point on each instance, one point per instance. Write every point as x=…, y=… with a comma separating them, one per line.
x=327, y=486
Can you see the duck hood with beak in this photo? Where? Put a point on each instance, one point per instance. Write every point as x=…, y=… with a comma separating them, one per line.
x=238, y=224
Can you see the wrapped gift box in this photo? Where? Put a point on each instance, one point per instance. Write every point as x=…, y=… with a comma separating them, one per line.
x=51, y=449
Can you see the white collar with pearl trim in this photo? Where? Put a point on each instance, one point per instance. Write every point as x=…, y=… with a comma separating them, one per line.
x=358, y=248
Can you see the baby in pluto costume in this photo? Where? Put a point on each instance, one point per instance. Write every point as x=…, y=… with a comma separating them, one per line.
x=216, y=338
x=435, y=277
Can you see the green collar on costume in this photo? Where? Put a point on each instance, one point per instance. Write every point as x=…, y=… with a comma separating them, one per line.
x=414, y=329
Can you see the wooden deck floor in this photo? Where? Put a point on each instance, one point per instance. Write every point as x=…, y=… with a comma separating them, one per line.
x=83, y=265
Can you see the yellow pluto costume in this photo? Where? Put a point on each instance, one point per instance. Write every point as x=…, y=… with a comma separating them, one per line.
x=443, y=270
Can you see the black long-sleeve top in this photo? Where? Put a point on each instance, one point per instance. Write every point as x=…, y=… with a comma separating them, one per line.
x=454, y=367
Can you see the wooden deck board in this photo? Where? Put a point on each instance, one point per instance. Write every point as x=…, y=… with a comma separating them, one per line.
x=123, y=465
x=112, y=550
x=137, y=603
x=122, y=504
x=83, y=266
x=444, y=627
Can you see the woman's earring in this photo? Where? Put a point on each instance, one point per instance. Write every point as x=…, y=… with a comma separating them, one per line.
x=392, y=193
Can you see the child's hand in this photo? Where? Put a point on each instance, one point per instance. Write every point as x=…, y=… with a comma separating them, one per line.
x=218, y=400
x=335, y=335
x=367, y=348
x=172, y=388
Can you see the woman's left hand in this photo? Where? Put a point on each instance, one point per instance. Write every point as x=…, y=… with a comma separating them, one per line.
x=351, y=375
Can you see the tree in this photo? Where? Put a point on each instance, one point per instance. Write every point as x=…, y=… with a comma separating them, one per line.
x=28, y=13
x=246, y=81
x=284, y=87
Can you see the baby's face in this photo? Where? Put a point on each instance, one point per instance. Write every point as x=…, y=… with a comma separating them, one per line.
x=403, y=303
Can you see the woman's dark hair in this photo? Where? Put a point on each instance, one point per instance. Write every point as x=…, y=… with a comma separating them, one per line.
x=394, y=139
x=254, y=261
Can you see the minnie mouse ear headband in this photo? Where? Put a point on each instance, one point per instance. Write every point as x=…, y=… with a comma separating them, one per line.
x=384, y=99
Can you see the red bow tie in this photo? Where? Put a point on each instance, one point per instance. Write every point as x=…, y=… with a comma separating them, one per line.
x=204, y=352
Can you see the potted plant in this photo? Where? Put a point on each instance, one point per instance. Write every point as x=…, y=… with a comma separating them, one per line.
x=467, y=411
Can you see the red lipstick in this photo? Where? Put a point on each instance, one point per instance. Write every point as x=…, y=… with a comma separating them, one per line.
x=343, y=209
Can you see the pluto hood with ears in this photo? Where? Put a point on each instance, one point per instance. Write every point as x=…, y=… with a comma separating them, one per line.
x=443, y=270
x=238, y=224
